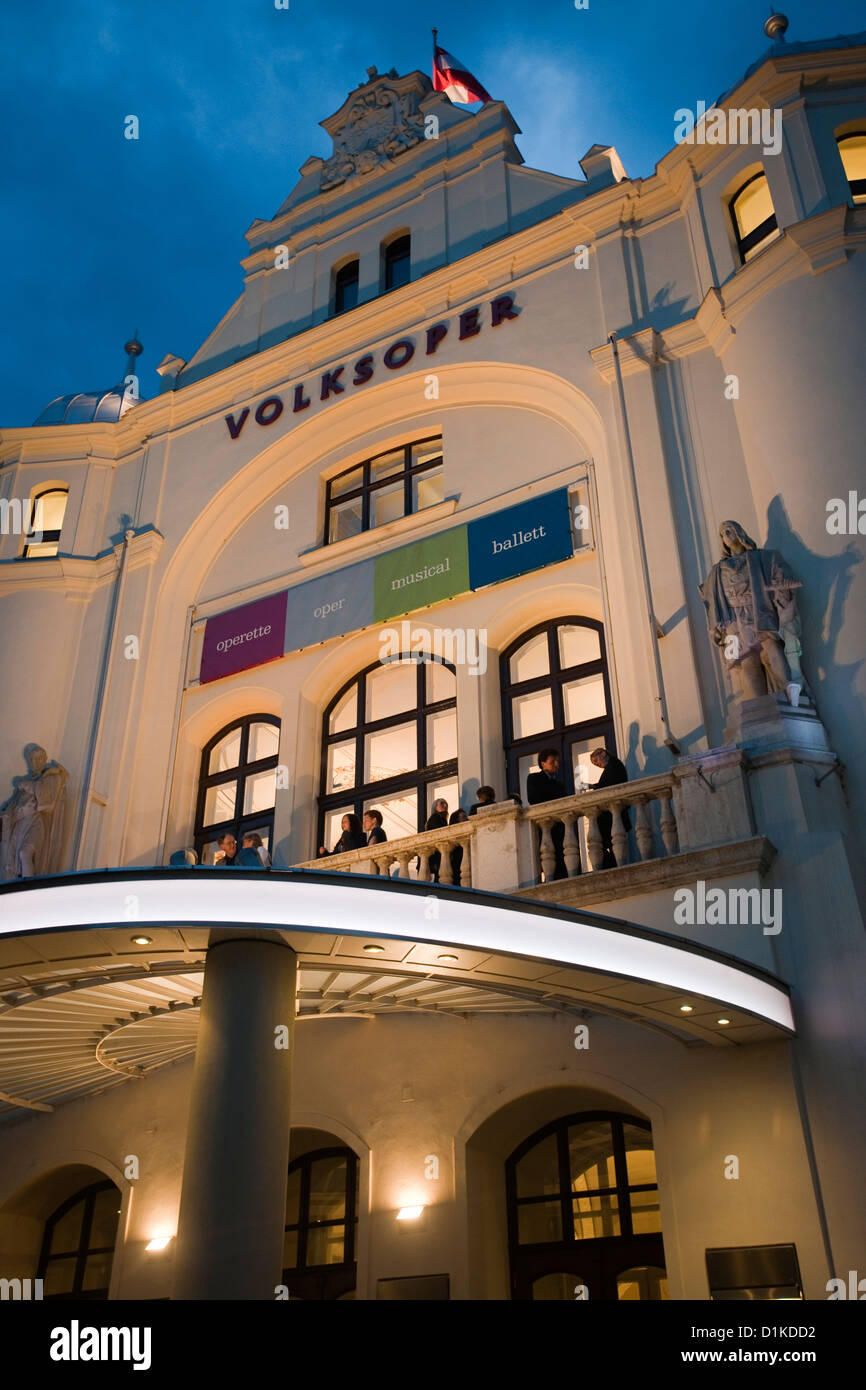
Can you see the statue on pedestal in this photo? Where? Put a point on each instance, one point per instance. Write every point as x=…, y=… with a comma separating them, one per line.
x=750, y=598
x=32, y=818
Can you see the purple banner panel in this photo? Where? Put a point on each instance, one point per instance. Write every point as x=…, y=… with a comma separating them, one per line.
x=244, y=637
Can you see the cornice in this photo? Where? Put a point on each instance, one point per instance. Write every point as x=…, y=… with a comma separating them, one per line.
x=79, y=577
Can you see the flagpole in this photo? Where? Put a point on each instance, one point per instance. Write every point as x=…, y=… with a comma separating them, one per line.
x=435, y=32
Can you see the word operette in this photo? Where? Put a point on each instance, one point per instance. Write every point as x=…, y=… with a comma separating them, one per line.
x=400, y=353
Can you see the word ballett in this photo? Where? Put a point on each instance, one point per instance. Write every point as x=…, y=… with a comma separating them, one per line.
x=455, y=646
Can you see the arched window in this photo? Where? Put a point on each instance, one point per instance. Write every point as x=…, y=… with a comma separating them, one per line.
x=396, y=483
x=852, y=150
x=753, y=216
x=237, y=784
x=555, y=694
x=49, y=509
x=78, y=1244
x=346, y=287
x=319, y=1247
x=397, y=263
x=389, y=741
x=583, y=1209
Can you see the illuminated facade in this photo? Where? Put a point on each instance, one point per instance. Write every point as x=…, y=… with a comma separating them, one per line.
x=437, y=494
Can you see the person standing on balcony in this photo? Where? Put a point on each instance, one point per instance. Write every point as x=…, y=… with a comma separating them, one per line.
x=373, y=827
x=229, y=846
x=437, y=820
x=542, y=786
x=457, y=817
x=613, y=772
x=352, y=837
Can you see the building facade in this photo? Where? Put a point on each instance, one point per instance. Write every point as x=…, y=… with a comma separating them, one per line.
x=443, y=490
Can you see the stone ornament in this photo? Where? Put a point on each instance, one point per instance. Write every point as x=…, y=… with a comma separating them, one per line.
x=381, y=123
x=32, y=818
x=750, y=598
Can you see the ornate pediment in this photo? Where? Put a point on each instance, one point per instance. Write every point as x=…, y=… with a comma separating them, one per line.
x=380, y=120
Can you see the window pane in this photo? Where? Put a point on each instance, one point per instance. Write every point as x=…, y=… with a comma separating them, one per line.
x=442, y=736
x=260, y=792
x=97, y=1272
x=441, y=683
x=539, y=1221
x=344, y=715
x=106, y=1214
x=428, y=489
x=531, y=660
x=399, y=813
x=346, y=519
x=328, y=1189
x=577, y=645
x=446, y=791
x=390, y=752
x=341, y=765
x=595, y=1217
x=59, y=1277
x=526, y=764
x=538, y=1171
x=290, y=1250
x=425, y=453
x=388, y=503
x=219, y=803
x=350, y=481
x=67, y=1231
x=586, y=774
x=639, y=1157
x=226, y=753
x=387, y=465
x=333, y=830
x=853, y=151
x=391, y=689
x=36, y=548
x=645, y=1212
x=325, y=1245
x=584, y=699
x=533, y=713
x=753, y=206
x=590, y=1151
x=643, y=1282
x=264, y=742
x=49, y=510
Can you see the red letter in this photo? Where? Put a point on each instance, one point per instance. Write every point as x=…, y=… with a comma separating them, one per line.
x=363, y=369
x=435, y=334
x=502, y=308
x=235, y=426
x=469, y=324
x=301, y=401
x=330, y=383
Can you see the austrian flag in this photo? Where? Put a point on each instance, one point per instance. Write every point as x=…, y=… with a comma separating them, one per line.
x=454, y=79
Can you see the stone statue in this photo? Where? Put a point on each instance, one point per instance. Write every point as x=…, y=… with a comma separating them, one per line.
x=32, y=818
x=752, y=616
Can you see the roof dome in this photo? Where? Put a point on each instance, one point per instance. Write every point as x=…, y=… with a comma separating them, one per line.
x=87, y=407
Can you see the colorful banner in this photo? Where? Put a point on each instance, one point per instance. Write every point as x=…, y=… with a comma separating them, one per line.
x=493, y=548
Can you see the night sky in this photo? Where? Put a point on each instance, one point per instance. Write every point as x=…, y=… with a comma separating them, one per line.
x=102, y=235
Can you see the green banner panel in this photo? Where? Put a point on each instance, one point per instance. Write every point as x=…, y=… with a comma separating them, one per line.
x=417, y=575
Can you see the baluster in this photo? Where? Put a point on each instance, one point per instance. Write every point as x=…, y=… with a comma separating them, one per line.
x=466, y=866
x=594, y=846
x=424, y=865
x=446, y=872
x=643, y=830
x=618, y=834
x=571, y=845
x=548, y=853
x=668, y=820
x=403, y=860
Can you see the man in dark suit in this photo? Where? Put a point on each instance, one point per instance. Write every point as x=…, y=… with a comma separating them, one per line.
x=613, y=772
x=373, y=827
x=542, y=786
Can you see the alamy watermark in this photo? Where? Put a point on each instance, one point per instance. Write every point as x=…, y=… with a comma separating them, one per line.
x=735, y=127
x=459, y=646
x=722, y=907
x=17, y=515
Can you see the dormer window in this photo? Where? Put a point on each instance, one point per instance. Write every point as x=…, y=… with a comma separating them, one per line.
x=49, y=509
x=397, y=259
x=346, y=287
x=753, y=217
x=852, y=150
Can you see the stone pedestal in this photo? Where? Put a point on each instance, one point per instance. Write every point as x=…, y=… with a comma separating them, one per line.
x=233, y=1200
x=771, y=722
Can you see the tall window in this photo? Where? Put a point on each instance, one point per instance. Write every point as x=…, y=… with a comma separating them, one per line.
x=583, y=1208
x=390, y=741
x=78, y=1244
x=384, y=488
x=753, y=216
x=555, y=694
x=237, y=784
x=346, y=287
x=852, y=149
x=319, y=1247
x=49, y=509
x=397, y=263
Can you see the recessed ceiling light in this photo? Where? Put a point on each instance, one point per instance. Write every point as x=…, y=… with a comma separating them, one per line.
x=374, y=948
x=723, y=1021
x=686, y=1009
x=446, y=956
x=141, y=940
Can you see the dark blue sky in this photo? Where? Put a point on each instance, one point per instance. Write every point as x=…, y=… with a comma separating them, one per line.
x=102, y=235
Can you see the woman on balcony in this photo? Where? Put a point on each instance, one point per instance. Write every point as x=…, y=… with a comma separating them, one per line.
x=353, y=836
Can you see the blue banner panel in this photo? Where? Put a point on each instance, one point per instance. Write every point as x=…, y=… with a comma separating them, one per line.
x=330, y=606
x=519, y=539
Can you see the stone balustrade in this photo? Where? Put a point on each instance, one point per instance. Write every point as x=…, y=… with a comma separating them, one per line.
x=412, y=855
x=585, y=854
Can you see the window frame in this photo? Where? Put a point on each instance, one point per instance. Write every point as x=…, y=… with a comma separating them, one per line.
x=367, y=489
x=341, y=280
x=748, y=243
x=329, y=1281
x=856, y=187
x=83, y=1249
x=51, y=537
x=398, y=249
x=239, y=824
x=418, y=778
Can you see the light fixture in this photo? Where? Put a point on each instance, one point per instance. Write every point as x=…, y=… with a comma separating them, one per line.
x=141, y=940
x=446, y=956
x=372, y=948
x=158, y=1243
x=723, y=1022
x=686, y=1009
x=409, y=1213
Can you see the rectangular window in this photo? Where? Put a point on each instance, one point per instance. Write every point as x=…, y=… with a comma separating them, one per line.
x=396, y=483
